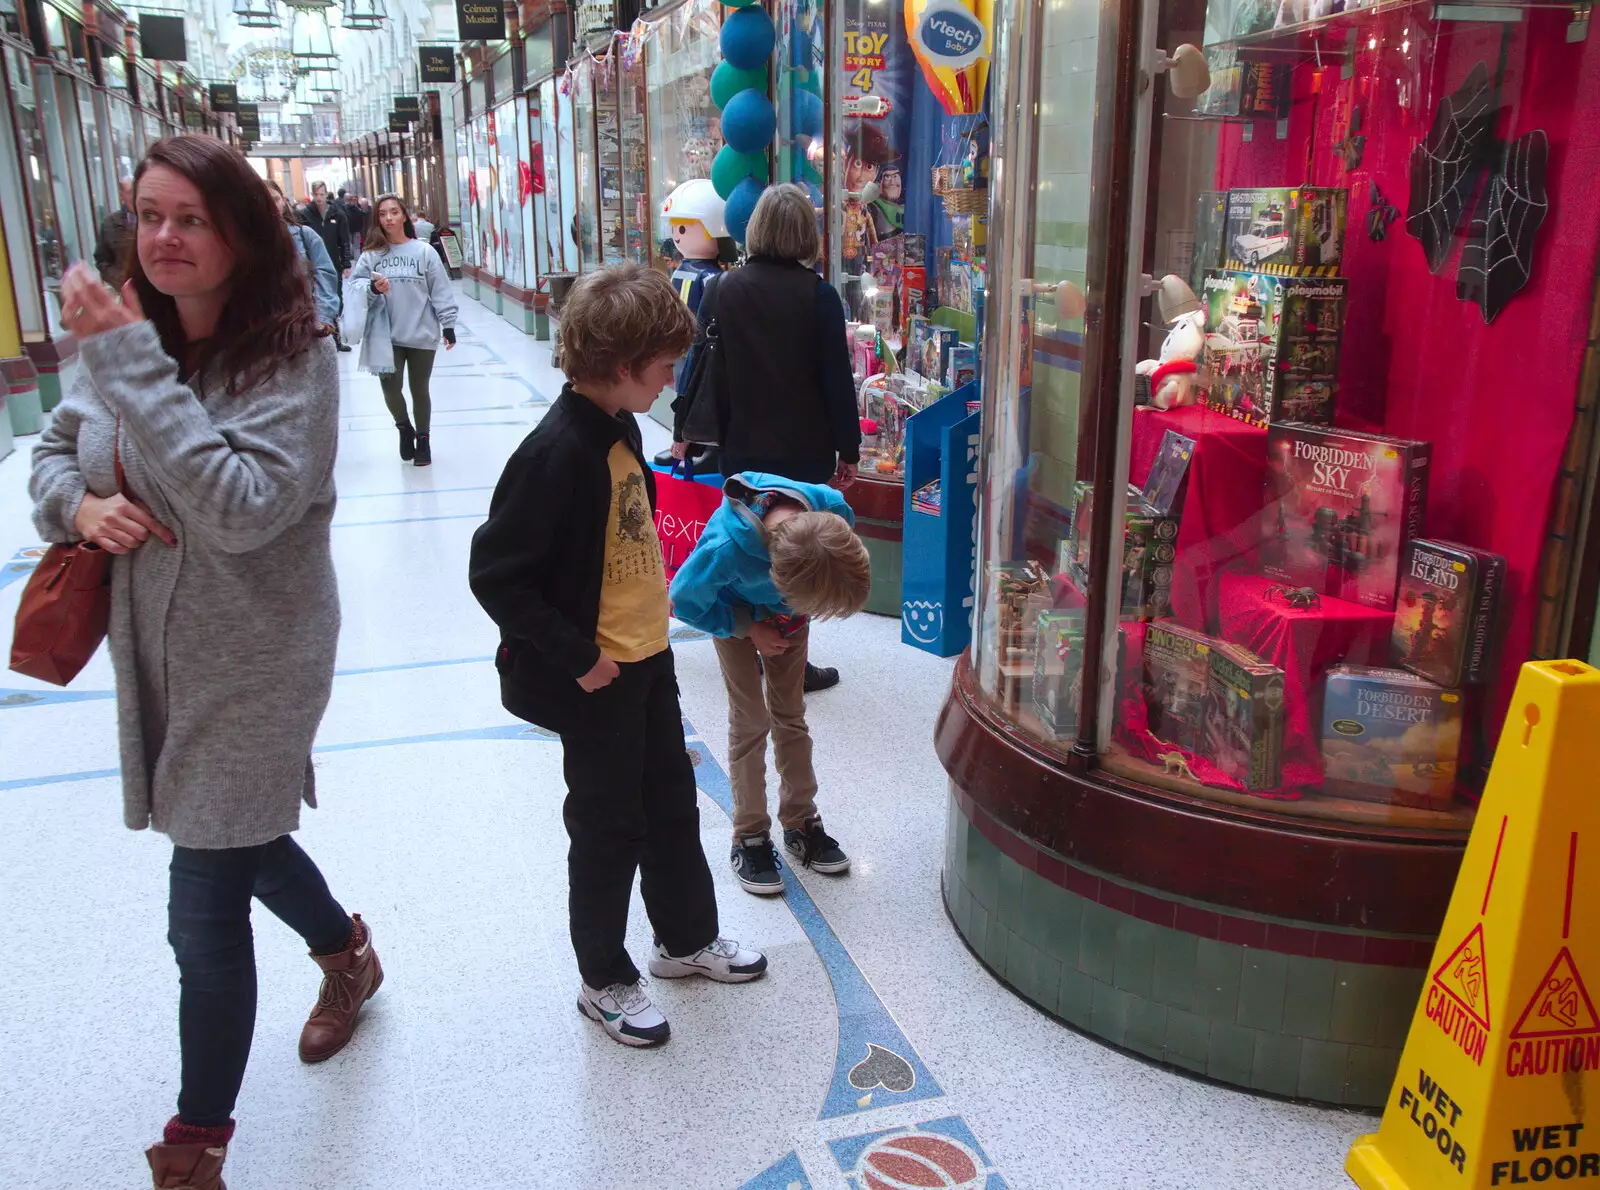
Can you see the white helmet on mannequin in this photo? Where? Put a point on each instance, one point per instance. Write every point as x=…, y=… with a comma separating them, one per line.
x=697, y=199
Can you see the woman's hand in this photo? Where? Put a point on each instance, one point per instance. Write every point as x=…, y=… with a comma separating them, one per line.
x=605, y=672
x=844, y=476
x=117, y=524
x=380, y=285
x=88, y=307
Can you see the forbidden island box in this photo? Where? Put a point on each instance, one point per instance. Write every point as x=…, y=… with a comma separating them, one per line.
x=1290, y=231
x=1149, y=549
x=1272, y=345
x=1242, y=717
x=1446, y=612
x=1341, y=506
x=1390, y=736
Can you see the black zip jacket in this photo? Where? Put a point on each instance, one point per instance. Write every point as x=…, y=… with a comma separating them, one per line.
x=537, y=563
x=334, y=229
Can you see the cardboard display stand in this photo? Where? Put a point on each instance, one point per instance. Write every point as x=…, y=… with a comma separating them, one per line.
x=936, y=587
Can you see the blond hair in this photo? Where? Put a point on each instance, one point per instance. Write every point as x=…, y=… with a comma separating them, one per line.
x=819, y=565
x=620, y=318
x=784, y=225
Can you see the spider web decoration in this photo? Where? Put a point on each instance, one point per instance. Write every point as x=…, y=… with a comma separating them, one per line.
x=1445, y=167
x=1497, y=259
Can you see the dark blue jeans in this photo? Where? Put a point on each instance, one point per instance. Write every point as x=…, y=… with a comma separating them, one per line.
x=208, y=925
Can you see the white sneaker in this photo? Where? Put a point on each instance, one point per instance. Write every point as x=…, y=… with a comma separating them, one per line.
x=624, y=1010
x=724, y=961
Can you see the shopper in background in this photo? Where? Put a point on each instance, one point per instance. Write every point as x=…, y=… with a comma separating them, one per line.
x=791, y=395
x=355, y=217
x=329, y=222
x=211, y=385
x=421, y=303
x=324, y=277
x=115, y=241
x=424, y=228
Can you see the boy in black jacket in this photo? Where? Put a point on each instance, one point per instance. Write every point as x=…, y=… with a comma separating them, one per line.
x=569, y=567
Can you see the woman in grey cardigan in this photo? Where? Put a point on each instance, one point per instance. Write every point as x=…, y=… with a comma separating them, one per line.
x=212, y=384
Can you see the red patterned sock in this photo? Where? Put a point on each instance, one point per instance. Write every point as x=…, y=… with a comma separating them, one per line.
x=212, y=1136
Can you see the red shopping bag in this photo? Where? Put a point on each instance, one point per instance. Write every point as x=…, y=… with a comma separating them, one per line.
x=683, y=505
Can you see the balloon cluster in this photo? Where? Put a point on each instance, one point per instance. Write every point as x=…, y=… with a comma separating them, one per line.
x=739, y=89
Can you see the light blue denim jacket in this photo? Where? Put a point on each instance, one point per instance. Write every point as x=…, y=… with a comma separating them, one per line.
x=324, y=277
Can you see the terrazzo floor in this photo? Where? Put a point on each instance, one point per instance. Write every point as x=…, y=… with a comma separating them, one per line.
x=440, y=822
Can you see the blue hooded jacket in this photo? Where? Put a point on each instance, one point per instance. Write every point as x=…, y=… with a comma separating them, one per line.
x=727, y=581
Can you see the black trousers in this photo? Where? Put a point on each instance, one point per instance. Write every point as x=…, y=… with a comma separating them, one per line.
x=208, y=925
x=631, y=806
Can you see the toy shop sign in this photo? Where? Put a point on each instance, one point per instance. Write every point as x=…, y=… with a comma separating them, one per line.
x=949, y=34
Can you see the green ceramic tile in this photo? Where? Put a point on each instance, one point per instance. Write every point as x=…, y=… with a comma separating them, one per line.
x=1189, y=1040
x=1322, y=1070
x=1147, y=1028
x=1010, y=904
x=1263, y=975
x=1097, y=946
x=1172, y=982
x=963, y=909
x=1216, y=979
x=1066, y=930
x=983, y=870
x=995, y=944
x=1136, y=956
x=1276, y=1068
x=1232, y=1055
x=1400, y=990
x=1019, y=964
x=1308, y=997
x=1357, y=992
x=1108, y=1016
x=1369, y=1075
x=978, y=920
x=1042, y=903
x=1075, y=999
x=1046, y=981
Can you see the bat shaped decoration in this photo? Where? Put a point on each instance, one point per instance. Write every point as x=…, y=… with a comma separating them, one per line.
x=1380, y=215
x=1447, y=169
x=1354, y=146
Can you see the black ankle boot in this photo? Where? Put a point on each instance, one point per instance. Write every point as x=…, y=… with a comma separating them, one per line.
x=408, y=441
x=424, y=451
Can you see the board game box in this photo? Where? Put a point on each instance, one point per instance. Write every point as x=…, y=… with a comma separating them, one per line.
x=1242, y=717
x=1288, y=231
x=1058, y=670
x=1174, y=681
x=1390, y=736
x=1253, y=90
x=1149, y=548
x=1163, y=487
x=1272, y=345
x=1445, y=611
x=1341, y=506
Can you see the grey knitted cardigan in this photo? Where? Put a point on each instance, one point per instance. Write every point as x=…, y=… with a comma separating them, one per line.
x=224, y=645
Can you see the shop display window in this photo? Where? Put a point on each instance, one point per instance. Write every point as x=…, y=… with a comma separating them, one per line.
x=637, y=221
x=124, y=139
x=566, y=232
x=481, y=190
x=505, y=180
x=93, y=118
x=556, y=253
x=586, y=214
x=466, y=186
x=685, y=127
x=530, y=189
x=1328, y=466
x=608, y=144
x=64, y=172
x=20, y=169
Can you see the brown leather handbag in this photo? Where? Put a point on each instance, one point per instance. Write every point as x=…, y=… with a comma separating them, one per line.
x=65, y=608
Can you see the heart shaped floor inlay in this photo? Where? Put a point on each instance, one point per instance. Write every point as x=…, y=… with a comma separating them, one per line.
x=882, y=1068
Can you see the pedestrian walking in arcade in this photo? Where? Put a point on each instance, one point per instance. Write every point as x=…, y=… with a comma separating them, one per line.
x=323, y=276
x=791, y=397
x=197, y=445
x=328, y=220
x=420, y=302
x=116, y=237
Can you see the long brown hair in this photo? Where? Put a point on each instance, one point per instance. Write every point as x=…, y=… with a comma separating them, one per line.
x=375, y=236
x=268, y=316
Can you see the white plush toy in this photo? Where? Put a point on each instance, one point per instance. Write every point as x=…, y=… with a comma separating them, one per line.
x=1175, y=377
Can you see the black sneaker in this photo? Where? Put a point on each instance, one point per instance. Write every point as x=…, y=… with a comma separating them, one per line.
x=755, y=863
x=818, y=678
x=815, y=848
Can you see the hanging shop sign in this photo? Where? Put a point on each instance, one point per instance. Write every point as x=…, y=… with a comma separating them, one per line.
x=409, y=106
x=224, y=97
x=399, y=122
x=248, y=116
x=950, y=39
x=161, y=38
x=481, y=20
x=438, y=63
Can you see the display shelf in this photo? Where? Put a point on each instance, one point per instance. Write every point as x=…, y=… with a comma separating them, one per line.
x=1327, y=36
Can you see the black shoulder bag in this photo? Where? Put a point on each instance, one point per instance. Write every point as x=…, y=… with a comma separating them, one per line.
x=705, y=395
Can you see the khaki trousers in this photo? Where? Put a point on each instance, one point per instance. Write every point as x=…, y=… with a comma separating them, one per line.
x=755, y=709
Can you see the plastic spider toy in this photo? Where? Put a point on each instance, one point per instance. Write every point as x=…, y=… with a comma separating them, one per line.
x=1301, y=597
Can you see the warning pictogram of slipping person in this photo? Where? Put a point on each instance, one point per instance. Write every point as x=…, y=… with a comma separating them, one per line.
x=1497, y=1081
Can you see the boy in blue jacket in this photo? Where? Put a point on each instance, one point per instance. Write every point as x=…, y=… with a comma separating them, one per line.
x=777, y=554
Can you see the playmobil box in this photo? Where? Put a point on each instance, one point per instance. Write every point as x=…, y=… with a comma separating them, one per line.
x=1340, y=508
x=1389, y=736
x=1058, y=669
x=1288, y=231
x=1446, y=609
x=1210, y=232
x=1173, y=681
x=1272, y=345
x=1149, y=548
x=1242, y=717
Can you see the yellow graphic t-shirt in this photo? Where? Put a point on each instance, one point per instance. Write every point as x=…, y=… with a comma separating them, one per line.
x=633, y=589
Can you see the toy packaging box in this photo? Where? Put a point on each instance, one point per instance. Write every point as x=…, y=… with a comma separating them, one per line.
x=936, y=348
x=1173, y=682
x=1242, y=717
x=1287, y=231
x=1058, y=670
x=1228, y=19
x=1149, y=548
x=1272, y=345
x=1446, y=610
x=1210, y=234
x=1250, y=89
x=1164, y=487
x=1341, y=506
x=962, y=367
x=1390, y=736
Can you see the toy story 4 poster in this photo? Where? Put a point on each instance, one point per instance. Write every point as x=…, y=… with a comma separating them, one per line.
x=878, y=71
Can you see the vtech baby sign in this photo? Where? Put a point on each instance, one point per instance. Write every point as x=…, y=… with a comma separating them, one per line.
x=950, y=35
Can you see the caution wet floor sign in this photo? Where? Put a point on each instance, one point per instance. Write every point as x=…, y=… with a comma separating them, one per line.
x=1498, y=1082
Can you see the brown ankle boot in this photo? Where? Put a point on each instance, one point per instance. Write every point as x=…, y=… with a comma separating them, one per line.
x=349, y=980
x=187, y=1167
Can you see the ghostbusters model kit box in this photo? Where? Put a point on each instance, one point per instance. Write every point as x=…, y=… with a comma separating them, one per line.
x=1058, y=670
x=1149, y=548
x=1446, y=609
x=1341, y=506
x=1272, y=345
x=1174, y=681
x=1242, y=717
x=1390, y=736
x=1288, y=231
x=1210, y=235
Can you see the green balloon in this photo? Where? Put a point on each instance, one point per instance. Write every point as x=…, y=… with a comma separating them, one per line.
x=809, y=80
x=729, y=168
x=727, y=80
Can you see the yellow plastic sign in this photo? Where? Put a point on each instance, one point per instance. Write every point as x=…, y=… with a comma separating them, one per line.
x=1498, y=1077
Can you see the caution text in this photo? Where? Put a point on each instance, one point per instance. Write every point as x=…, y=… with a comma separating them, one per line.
x=1456, y=1023
x=1558, y=1055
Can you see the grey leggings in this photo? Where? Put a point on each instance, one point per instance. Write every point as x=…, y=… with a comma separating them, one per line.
x=420, y=361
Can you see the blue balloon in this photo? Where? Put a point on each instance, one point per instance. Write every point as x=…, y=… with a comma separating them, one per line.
x=747, y=38
x=806, y=114
x=749, y=121
x=740, y=206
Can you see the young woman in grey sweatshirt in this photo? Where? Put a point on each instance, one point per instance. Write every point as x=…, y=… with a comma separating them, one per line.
x=409, y=278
